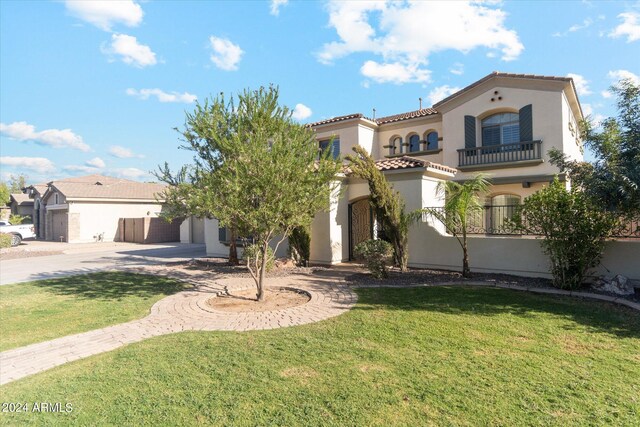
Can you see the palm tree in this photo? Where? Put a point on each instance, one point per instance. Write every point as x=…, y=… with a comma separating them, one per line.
x=462, y=201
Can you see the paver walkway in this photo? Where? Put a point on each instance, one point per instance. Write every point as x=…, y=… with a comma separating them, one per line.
x=184, y=311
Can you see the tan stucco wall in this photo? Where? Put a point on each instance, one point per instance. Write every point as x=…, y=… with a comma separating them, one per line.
x=98, y=217
x=547, y=125
x=512, y=255
x=406, y=128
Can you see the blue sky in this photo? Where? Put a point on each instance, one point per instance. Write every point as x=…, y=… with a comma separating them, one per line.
x=98, y=87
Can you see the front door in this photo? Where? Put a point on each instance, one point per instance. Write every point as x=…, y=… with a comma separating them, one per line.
x=360, y=224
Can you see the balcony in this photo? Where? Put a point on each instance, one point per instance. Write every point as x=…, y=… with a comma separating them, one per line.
x=500, y=156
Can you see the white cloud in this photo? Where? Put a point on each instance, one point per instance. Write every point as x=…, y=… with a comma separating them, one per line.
x=226, y=55
x=162, y=96
x=395, y=72
x=96, y=162
x=129, y=172
x=122, y=152
x=276, y=5
x=629, y=28
x=37, y=164
x=130, y=51
x=617, y=75
x=606, y=94
x=301, y=112
x=84, y=169
x=582, y=84
x=406, y=33
x=441, y=92
x=576, y=27
x=104, y=14
x=457, y=69
x=56, y=138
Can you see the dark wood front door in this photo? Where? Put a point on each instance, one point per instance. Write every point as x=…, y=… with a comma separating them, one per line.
x=360, y=224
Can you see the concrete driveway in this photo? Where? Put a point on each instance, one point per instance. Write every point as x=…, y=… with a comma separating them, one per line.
x=90, y=257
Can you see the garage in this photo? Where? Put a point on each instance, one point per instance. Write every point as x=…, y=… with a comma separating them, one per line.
x=59, y=226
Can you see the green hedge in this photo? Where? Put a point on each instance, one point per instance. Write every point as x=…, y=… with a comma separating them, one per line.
x=5, y=240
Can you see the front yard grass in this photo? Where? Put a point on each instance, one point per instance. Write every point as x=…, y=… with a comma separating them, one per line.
x=47, y=309
x=423, y=356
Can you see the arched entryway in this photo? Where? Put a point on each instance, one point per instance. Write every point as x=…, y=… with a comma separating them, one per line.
x=360, y=223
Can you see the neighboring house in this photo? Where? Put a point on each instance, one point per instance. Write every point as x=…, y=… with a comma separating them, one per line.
x=90, y=208
x=35, y=192
x=22, y=205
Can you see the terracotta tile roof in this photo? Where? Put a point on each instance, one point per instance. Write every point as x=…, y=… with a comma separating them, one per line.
x=382, y=120
x=499, y=74
x=338, y=119
x=21, y=199
x=407, y=162
x=106, y=187
x=406, y=116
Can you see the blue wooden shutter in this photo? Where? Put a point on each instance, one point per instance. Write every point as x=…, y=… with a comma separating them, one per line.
x=469, y=132
x=336, y=148
x=526, y=123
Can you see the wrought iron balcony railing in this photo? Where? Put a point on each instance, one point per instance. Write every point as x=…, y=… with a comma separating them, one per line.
x=503, y=153
x=498, y=221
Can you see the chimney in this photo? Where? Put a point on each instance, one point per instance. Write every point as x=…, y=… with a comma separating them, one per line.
x=420, y=99
x=374, y=114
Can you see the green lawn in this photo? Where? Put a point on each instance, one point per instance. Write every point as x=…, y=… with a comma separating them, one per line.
x=46, y=309
x=426, y=356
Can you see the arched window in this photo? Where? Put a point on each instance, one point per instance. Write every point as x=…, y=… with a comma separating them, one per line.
x=414, y=143
x=502, y=128
x=432, y=140
x=503, y=207
x=396, y=145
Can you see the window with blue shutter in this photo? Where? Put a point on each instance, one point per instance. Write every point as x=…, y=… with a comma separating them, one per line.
x=526, y=123
x=414, y=143
x=432, y=140
x=470, y=134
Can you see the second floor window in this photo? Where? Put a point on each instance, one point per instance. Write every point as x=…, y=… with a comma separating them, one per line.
x=503, y=128
x=414, y=143
x=432, y=141
x=332, y=145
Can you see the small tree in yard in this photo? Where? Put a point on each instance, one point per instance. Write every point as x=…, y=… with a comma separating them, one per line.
x=266, y=178
x=462, y=201
x=574, y=230
x=387, y=204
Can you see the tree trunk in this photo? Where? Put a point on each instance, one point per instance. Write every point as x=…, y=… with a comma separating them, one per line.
x=233, y=250
x=263, y=268
x=466, y=271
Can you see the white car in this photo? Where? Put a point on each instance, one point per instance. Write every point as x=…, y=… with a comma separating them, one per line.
x=18, y=232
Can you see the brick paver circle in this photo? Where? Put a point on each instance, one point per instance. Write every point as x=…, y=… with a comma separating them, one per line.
x=185, y=311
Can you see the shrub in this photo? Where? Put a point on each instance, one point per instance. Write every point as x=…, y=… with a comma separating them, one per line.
x=574, y=230
x=16, y=219
x=376, y=255
x=300, y=246
x=251, y=254
x=5, y=240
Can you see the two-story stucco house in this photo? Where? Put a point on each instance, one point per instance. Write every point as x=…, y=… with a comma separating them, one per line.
x=502, y=125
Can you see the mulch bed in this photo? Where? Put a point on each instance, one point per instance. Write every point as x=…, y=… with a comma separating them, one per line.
x=222, y=267
x=416, y=276
x=426, y=276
